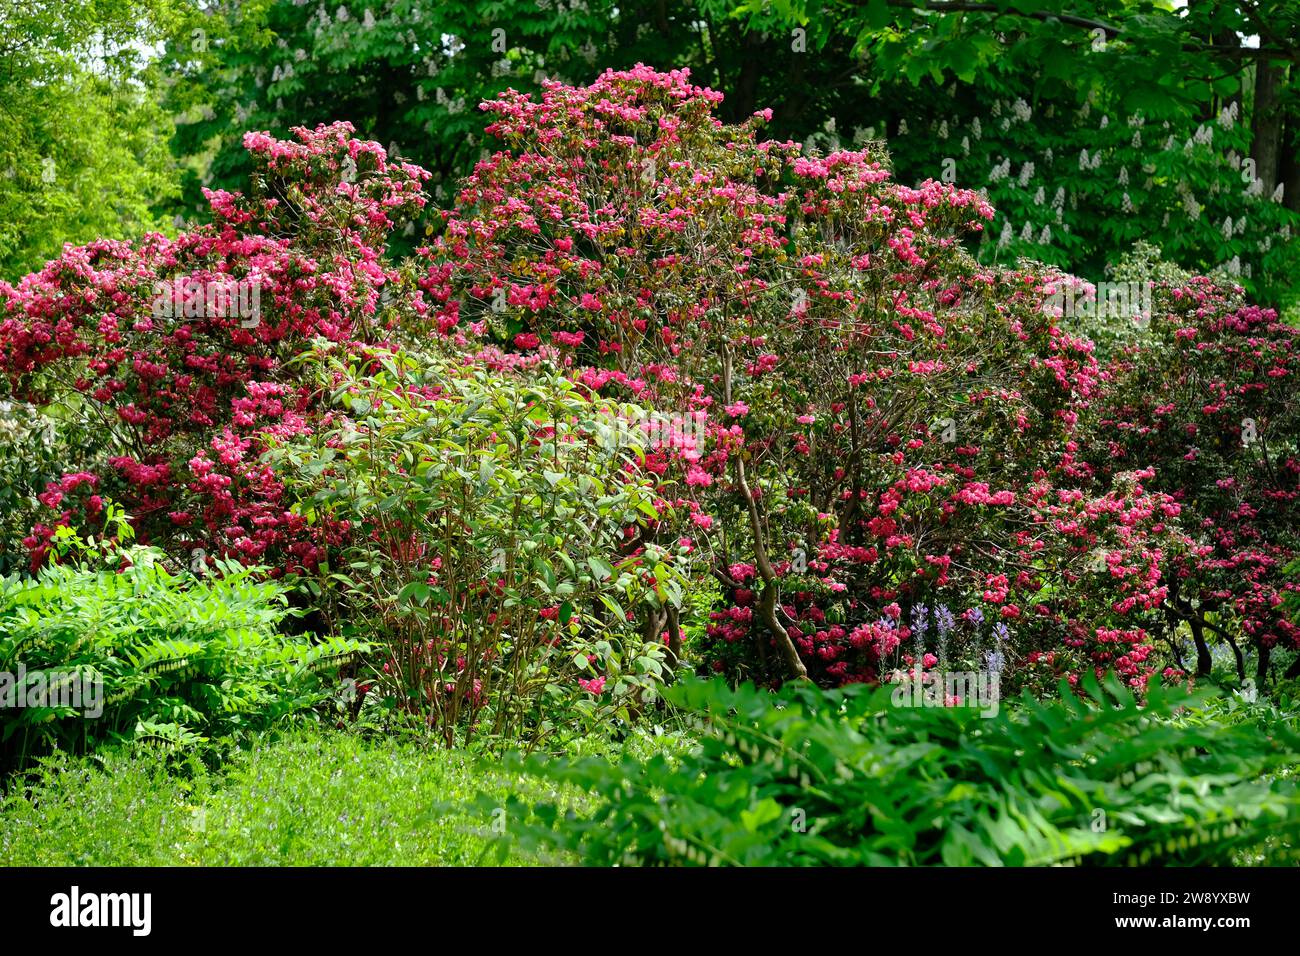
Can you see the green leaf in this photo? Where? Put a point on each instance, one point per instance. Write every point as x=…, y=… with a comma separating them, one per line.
x=417, y=592
x=764, y=812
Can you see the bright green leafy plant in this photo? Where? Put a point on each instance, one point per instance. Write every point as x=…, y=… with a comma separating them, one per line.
x=309, y=796
x=143, y=651
x=493, y=529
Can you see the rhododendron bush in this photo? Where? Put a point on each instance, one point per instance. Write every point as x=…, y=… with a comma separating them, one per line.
x=159, y=345
x=880, y=421
x=1206, y=398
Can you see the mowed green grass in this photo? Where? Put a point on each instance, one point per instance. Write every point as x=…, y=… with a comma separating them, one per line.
x=309, y=797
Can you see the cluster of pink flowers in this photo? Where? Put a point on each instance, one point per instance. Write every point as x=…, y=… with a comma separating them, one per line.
x=195, y=397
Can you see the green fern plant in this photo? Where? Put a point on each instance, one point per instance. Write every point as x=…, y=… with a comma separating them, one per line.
x=163, y=655
x=812, y=777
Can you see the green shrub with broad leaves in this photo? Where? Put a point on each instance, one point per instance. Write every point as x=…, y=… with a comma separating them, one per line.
x=495, y=547
x=116, y=645
x=813, y=777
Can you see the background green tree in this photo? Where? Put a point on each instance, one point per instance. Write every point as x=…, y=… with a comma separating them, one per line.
x=83, y=137
x=1189, y=117
x=1091, y=124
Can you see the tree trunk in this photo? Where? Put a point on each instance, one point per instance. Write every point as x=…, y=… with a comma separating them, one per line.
x=1266, y=125
x=674, y=638
x=744, y=97
x=1204, y=664
x=1241, y=660
x=767, y=601
x=652, y=625
x=1289, y=162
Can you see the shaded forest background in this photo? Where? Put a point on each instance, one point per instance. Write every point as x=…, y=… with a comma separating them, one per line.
x=1091, y=124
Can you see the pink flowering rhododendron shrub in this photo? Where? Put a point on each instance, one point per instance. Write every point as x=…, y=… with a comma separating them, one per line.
x=1102, y=581
x=866, y=418
x=177, y=350
x=1207, y=400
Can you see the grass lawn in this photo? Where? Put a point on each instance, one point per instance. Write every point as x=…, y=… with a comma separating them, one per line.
x=308, y=797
